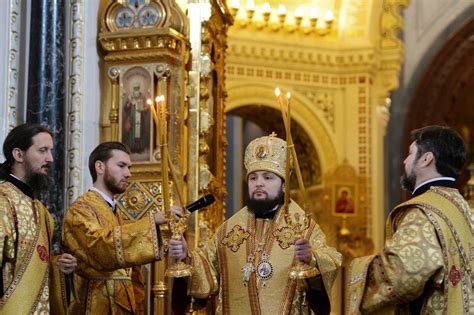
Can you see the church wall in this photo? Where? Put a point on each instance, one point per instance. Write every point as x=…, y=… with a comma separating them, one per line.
x=92, y=88
x=84, y=92
x=13, y=23
x=4, y=39
x=428, y=25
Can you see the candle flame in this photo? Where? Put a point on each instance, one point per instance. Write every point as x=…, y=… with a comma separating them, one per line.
x=266, y=8
x=288, y=95
x=149, y=102
x=160, y=98
x=299, y=12
x=235, y=4
x=281, y=10
x=329, y=16
x=277, y=92
x=250, y=5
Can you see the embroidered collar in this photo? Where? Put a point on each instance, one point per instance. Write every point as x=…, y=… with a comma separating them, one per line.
x=106, y=197
x=440, y=181
x=22, y=186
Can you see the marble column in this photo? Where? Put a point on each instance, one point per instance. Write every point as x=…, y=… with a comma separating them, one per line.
x=46, y=92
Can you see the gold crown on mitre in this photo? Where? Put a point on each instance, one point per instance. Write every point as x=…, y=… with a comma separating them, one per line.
x=267, y=154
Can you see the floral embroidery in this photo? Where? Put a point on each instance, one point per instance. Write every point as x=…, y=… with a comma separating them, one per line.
x=235, y=238
x=285, y=236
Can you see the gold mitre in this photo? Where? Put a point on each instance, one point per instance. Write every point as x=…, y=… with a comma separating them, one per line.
x=266, y=154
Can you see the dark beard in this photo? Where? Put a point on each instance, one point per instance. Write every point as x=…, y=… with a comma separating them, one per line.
x=261, y=207
x=39, y=183
x=111, y=185
x=408, y=182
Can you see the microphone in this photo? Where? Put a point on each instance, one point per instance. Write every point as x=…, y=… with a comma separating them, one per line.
x=201, y=203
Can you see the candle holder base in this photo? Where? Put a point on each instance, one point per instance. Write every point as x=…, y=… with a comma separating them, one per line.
x=179, y=270
x=303, y=271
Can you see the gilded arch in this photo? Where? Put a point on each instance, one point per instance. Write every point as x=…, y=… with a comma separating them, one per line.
x=243, y=94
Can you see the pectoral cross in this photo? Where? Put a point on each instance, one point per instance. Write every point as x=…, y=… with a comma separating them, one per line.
x=247, y=269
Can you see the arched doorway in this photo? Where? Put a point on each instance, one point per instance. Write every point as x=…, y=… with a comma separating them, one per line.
x=445, y=95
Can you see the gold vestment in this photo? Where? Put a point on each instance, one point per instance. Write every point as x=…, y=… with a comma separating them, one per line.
x=106, y=249
x=428, y=259
x=220, y=267
x=32, y=281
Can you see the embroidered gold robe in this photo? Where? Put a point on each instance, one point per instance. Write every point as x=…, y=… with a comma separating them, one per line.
x=32, y=281
x=218, y=269
x=428, y=260
x=106, y=250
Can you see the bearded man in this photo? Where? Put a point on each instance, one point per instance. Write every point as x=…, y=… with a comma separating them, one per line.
x=427, y=262
x=31, y=280
x=247, y=262
x=107, y=249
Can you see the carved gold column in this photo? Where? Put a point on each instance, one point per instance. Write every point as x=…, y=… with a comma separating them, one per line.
x=160, y=288
x=114, y=114
x=206, y=95
x=146, y=55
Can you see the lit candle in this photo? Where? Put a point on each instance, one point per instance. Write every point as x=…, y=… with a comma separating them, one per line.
x=280, y=103
x=288, y=116
x=296, y=164
x=284, y=116
x=329, y=16
x=163, y=134
x=266, y=8
x=152, y=109
x=164, y=120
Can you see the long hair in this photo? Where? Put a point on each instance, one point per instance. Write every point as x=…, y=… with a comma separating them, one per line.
x=20, y=137
x=446, y=145
x=103, y=152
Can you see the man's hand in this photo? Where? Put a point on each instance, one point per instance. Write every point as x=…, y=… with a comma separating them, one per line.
x=67, y=263
x=303, y=250
x=178, y=211
x=178, y=249
x=160, y=217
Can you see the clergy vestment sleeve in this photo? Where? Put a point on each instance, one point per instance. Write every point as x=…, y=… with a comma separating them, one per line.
x=7, y=228
x=97, y=239
x=327, y=259
x=410, y=258
x=204, y=280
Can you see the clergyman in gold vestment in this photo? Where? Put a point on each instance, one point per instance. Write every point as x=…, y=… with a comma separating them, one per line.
x=31, y=277
x=427, y=264
x=247, y=262
x=107, y=249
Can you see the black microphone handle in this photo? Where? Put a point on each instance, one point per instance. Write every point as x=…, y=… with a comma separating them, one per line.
x=201, y=203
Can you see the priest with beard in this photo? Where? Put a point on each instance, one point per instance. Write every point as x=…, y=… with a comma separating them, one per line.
x=426, y=266
x=108, y=249
x=32, y=280
x=247, y=262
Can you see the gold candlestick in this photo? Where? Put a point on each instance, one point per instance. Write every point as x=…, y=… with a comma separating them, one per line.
x=301, y=270
x=299, y=177
x=177, y=225
x=288, y=152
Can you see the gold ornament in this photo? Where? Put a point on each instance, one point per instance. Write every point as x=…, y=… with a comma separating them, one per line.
x=266, y=154
x=235, y=238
